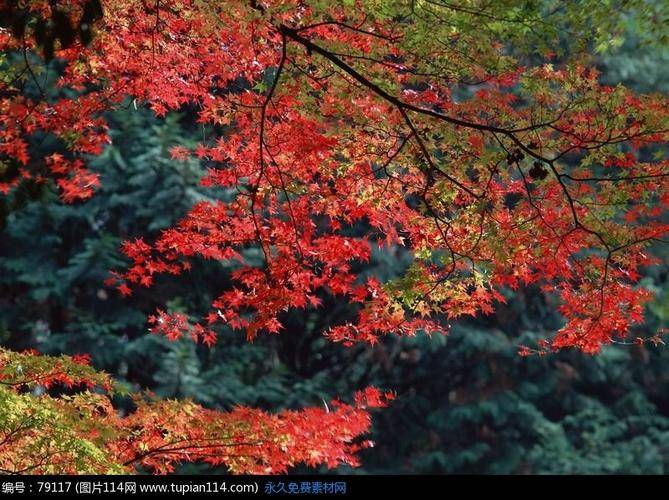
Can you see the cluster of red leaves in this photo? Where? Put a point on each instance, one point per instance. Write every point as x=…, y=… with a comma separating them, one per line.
x=53, y=434
x=542, y=177
x=75, y=122
x=174, y=325
x=246, y=440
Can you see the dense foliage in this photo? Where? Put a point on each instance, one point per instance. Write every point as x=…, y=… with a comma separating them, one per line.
x=83, y=433
x=356, y=170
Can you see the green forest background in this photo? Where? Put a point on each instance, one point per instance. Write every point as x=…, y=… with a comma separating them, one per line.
x=467, y=403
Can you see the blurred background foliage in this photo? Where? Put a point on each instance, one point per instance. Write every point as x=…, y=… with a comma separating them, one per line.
x=467, y=403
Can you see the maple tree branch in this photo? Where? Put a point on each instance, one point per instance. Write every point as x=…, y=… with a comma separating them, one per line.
x=263, y=117
x=30, y=70
x=166, y=448
x=9, y=435
x=293, y=34
x=613, y=179
x=357, y=29
x=427, y=156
